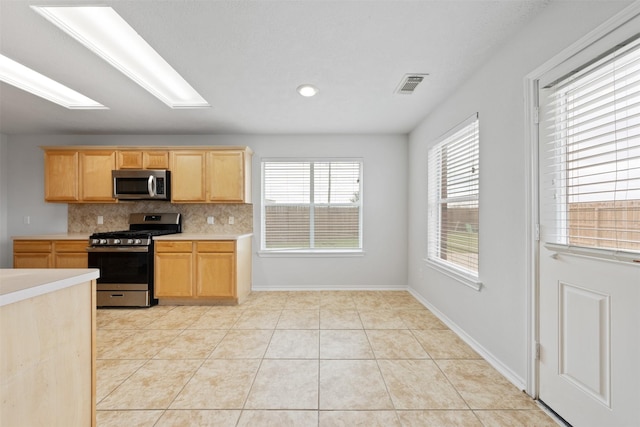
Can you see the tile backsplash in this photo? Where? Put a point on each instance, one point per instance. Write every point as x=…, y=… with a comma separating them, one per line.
x=83, y=218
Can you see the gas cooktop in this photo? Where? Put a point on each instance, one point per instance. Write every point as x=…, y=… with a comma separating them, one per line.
x=142, y=228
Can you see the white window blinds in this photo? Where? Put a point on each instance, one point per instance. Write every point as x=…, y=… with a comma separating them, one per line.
x=453, y=195
x=312, y=205
x=592, y=134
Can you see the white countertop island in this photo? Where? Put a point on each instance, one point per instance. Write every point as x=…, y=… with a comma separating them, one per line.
x=47, y=339
x=21, y=283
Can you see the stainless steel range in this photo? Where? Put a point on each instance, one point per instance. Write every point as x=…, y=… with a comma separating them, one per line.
x=125, y=259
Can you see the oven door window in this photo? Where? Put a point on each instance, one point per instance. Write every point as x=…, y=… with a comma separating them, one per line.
x=122, y=267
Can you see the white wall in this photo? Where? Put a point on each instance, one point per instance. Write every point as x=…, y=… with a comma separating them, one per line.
x=383, y=265
x=5, y=244
x=495, y=318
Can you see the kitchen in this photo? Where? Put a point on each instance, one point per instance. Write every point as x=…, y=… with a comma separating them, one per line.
x=394, y=157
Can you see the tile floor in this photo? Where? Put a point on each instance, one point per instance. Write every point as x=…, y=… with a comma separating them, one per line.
x=298, y=359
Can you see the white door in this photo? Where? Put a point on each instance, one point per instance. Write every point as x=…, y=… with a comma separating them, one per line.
x=589, y=255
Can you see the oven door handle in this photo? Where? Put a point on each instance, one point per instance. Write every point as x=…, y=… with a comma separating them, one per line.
x=118, y=249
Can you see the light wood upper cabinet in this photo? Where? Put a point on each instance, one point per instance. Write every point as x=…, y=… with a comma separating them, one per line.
x=61, y=176
x=211, y=176
x=95, y=169
x=226, y=181
x=188, y=171
x=155, y=160
x=82, y=174
x=129, y=159
x=139, y=159
x=79, y=176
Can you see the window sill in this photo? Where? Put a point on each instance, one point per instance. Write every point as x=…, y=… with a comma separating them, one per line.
x=459, y=276
x=311, y=254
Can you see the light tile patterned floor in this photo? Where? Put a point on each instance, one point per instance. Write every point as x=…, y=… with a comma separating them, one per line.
x=321, y=359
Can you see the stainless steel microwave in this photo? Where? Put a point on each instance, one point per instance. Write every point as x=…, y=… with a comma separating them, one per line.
x=134, y=184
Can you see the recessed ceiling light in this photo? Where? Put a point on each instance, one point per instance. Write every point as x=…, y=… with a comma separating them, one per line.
x=25, y=78
x=103, y=31
x=307, y=90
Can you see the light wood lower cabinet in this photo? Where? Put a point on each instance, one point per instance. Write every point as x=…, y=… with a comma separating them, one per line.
x=173, y=269
x=50, y=254
x=216, y=271
x=203, y=270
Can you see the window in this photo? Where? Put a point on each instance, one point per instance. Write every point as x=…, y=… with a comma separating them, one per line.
x=311, y=205
x=592, y=119
x=453, y=190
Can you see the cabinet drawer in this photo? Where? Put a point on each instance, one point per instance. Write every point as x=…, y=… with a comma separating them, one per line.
x=71, y=246
x=176, y=246
x=31, y=246
x=216, y=246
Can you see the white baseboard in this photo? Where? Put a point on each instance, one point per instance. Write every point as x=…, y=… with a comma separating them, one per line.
x=490, y=358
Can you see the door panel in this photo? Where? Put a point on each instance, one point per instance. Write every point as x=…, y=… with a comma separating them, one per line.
x=584, y=344
x=590, y=340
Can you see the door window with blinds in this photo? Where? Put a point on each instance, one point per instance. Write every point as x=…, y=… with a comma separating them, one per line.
x=311, y=205
x=591, y=135
x=453, y=199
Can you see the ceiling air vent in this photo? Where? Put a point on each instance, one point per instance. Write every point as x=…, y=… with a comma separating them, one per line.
x=409, y=83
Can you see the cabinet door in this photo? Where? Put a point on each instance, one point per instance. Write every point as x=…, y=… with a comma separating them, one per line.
x=155, y=160
x=173, y=274
x=70, y=254
x=225, y=176
x=188, y=176
x=129, y=159
x=61, y=176
x=215, y=275
x=71, y=260
x=32, y=260
x=96, y=183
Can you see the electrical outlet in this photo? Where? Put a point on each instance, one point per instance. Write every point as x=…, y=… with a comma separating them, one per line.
x=100, y=220
x=211, y=220
x=26, y=220
x=232, y=220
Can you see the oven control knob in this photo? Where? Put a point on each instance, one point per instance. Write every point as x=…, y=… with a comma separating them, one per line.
x=103, y=241
x=116, y=241
x=95, y=241
x=129, y=241
x=137, y=241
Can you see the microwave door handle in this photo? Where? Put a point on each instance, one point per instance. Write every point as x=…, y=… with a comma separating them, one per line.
x=151, y=186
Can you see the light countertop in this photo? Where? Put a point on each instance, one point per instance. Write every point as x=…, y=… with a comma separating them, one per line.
x=60, y=236
x=22, y=283
x=202, y=236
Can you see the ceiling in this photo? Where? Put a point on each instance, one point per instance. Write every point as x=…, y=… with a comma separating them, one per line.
x=246, y=58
